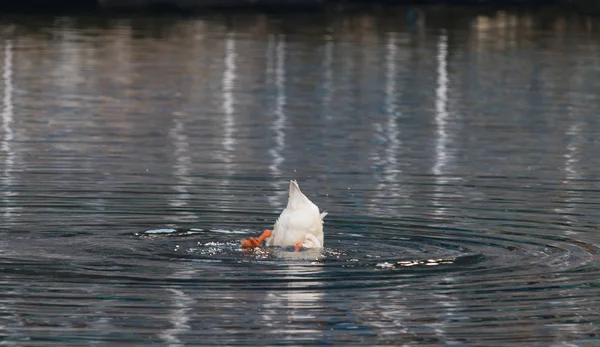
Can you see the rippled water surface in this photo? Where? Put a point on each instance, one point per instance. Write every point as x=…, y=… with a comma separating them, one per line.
x=456, y=151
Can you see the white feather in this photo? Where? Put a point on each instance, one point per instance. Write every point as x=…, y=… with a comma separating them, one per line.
x=300, y=221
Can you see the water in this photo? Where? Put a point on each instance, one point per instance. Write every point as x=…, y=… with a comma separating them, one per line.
x=454, y=149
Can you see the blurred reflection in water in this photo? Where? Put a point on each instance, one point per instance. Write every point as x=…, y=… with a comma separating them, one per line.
x=7, y=120
x=276, y=74
x=442, y=155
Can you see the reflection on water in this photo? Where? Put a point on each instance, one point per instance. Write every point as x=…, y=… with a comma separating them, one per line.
x=387, y=133
x=228, y=101
x=277, y=68
x=301, y=300
x=441, y=120
x=182, y=170
x=7, y=120
x=455, y=150
x=180, y=312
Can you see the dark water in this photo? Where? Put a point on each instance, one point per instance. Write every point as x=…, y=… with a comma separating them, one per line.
x=456, y=152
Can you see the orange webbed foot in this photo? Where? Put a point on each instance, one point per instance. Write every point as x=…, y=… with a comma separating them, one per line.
x=252, y=242
x=249, y=243
x=298, y=246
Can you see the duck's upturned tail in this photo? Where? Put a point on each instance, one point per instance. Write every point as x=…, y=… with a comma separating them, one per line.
x=297, y=198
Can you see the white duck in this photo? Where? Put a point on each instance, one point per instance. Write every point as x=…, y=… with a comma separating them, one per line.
x=300, y=223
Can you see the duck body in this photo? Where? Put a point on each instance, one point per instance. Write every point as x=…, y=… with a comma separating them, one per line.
x=300, y=223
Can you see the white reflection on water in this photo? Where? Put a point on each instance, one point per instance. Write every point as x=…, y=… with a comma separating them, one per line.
x=572, y=174
x=179, y=315
x=391, y=63
x=229, y=76
x=7, y=151
x=278, y=126
x=441, y=122
x=298, y=305
x=228, y=100
x=448, y=303
x=385, y=158
x=450, y=307
x=571, y=155
x=8, y=134
x=441, y=113
x=182, y=169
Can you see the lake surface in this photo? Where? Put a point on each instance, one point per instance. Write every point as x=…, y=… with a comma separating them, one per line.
x=456, y=151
